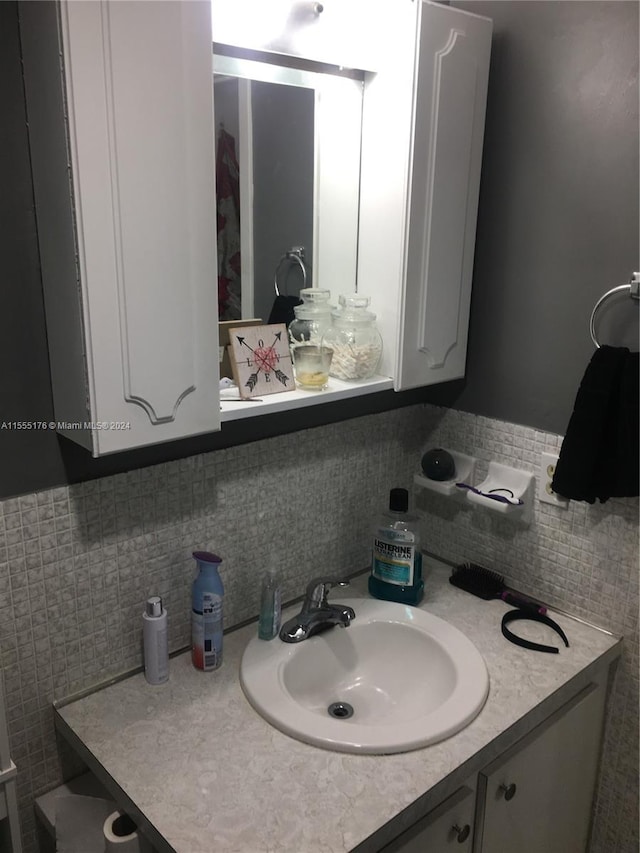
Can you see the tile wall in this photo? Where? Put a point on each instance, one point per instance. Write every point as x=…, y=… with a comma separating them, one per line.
x=76, y=564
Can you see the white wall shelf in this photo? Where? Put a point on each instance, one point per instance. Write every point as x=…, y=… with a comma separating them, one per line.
x=233, y=410
x=503, y=479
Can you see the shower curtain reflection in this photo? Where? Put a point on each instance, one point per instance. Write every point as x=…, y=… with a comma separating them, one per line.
x=228, y=227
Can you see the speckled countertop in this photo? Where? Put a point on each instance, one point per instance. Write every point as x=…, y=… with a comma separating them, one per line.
x=203, y=771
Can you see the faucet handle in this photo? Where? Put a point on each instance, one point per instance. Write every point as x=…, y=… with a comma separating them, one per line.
x=318, y=589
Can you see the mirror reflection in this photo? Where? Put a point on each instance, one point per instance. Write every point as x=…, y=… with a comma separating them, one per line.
x=276, y=150
x=287, y=168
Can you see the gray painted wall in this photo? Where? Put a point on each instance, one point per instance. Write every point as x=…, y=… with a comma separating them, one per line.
x=558, y=225
x=28, y=459
x=558, y=220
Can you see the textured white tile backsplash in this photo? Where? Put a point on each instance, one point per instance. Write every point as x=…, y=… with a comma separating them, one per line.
x=76, y=563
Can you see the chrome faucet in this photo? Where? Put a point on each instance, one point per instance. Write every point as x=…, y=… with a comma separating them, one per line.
x=317, y=614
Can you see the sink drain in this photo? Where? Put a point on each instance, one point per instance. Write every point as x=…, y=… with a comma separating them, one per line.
x=340, y=710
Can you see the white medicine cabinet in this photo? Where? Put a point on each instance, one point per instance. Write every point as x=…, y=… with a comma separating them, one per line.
x=121, y=129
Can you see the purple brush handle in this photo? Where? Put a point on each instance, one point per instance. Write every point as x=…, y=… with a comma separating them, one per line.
x=522, y=603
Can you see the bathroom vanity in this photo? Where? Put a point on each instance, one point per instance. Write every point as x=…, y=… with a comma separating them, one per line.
x=202, y=771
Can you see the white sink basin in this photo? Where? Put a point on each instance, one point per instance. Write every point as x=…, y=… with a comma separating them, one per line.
x=411, y=679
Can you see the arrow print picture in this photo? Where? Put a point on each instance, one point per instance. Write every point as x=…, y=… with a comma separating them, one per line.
x=260, y=360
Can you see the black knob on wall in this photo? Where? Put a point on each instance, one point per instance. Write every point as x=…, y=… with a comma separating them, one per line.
x=509, y=791
x=461, y=833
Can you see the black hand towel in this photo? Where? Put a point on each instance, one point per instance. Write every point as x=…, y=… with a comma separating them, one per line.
x=599, y=454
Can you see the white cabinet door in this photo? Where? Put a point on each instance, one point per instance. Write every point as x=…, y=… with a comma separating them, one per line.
x=450, y=98
x=538, y=796
x=119, y=98
x=446, y=829
x=423, y=131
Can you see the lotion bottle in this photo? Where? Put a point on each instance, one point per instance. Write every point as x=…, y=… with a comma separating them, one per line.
x=396, y=567
x=155, y=641
x=206, y=613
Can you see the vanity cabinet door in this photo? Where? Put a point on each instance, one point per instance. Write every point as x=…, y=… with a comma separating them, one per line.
x=119, y=101
x=446, y=829
x=423, y=132
x=538, y=795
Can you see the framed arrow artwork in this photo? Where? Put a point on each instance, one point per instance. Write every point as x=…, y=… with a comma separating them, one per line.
x=260, y=360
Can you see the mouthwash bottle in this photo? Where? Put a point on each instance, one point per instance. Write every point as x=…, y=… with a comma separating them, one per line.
x=396, y=567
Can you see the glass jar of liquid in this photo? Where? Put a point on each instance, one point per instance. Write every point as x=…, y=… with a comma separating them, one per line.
x=311, y=359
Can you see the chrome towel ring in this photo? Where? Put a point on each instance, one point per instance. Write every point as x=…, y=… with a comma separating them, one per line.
x=633, y=289
x=293, y=255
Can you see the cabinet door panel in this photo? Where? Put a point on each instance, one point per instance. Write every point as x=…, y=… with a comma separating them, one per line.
x=538, y=796
x=141, y=135
x=119, y=100
x=449, y=108
x=152, y=210
x=446, y=829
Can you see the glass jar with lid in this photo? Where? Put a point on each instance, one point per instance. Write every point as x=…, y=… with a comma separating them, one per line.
x=354, y=339
x=312, y=318
x=311, y=359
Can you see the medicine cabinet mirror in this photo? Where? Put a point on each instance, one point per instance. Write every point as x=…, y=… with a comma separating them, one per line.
x=296, y=135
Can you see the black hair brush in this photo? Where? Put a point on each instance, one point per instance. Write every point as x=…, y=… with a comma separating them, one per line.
x=487, y=585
